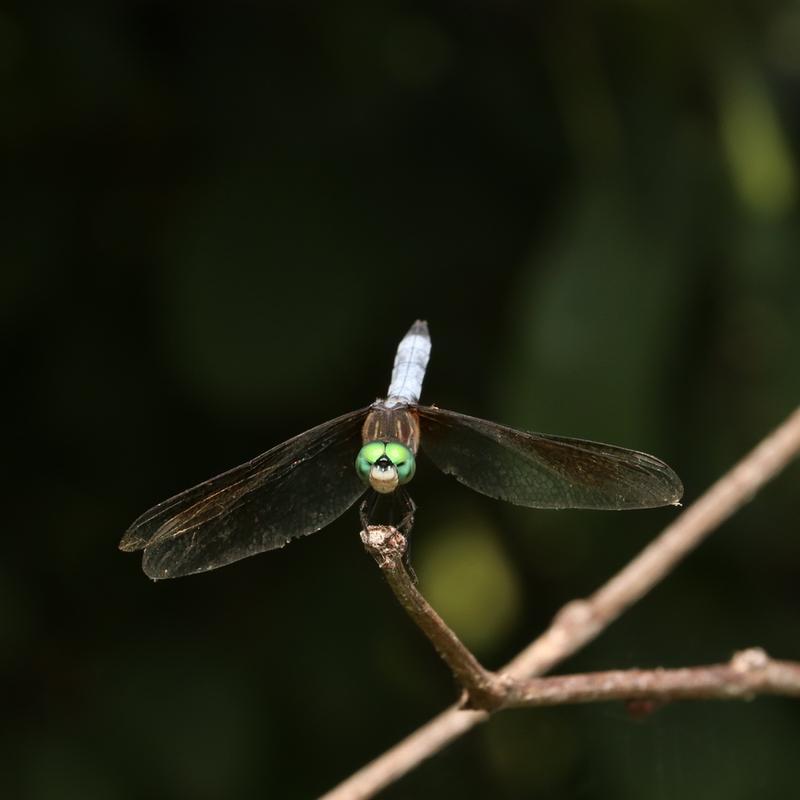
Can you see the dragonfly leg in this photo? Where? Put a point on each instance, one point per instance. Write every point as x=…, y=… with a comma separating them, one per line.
x=407, y=520
x=365, y=510
x=404, y=526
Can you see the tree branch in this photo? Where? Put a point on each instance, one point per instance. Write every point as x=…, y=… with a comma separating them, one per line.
x=749, y=673
x=388, y=547
x=582, y=620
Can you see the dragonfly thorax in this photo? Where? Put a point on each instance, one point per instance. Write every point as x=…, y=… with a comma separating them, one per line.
x=385, y=465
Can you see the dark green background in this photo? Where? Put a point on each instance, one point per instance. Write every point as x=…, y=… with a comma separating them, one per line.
x=218, y=221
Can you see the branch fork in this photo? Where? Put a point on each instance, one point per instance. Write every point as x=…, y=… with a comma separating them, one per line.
x=749, y=672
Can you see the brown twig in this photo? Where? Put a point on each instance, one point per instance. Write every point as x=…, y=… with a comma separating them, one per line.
x=388, y=547
x=582, y=620
x=749, y=673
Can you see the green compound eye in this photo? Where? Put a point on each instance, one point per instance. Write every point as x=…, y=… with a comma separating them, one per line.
x=403, y=459
x=399, y=455
x=367, y=456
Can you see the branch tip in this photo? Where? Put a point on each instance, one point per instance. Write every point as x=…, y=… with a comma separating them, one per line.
x=385, y=544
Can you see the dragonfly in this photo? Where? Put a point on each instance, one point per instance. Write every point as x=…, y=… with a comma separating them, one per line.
x=305, y=483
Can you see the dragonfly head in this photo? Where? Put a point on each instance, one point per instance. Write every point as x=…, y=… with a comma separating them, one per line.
x=385, y=465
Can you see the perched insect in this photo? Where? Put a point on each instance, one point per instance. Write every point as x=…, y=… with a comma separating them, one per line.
x=305, y=483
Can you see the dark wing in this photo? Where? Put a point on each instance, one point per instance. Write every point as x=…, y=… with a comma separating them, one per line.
x=541, y=471
x=294, y=489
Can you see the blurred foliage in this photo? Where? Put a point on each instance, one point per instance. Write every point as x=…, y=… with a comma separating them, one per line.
x=467, y=578
x=219, y=220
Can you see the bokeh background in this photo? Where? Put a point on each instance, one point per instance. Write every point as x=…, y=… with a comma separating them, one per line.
x=219, y=220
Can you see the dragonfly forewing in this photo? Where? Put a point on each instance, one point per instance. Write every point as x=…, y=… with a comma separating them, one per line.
x=294, y=489
x=542, y=471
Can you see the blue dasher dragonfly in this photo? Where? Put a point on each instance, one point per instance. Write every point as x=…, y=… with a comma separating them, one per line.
x=305, y=483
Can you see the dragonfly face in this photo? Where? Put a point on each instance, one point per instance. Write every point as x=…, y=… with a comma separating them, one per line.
x=385, y=465
x=305, y=483
x=390, y=435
